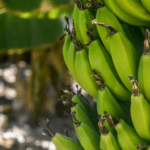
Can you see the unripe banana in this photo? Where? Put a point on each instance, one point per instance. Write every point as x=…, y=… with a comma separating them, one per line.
x=146, y=4
x=107, y=102
x=75, y=17
x=89, y=110
x=124, y=56
x=85, y=18
x=104, y=15
x=89, y=138
x=84, y=72
x=143, y=71
x=82, y=116
x=135, y=9
x=71, y=61
x=140, y=118
x=77, y=98
x=127, y=137
x=65, y=143
x=66, y=47
x=113, y=6
x=102, y=63
x=61, y=142
x=84, y=110
x=107, y=140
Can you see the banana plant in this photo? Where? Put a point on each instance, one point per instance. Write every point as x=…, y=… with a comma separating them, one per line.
x=109, y=63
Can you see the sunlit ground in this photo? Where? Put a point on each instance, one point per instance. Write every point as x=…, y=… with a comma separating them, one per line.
x=17, y=135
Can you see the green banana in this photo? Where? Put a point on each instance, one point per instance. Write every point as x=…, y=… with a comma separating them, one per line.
x=113, y=6
x=146, y=4
x=107, y=102
x=75, y=17
x=81, y=17
x=71, y=98
x=104, y=15
x=127, y=137
x=71, y=61
x=66, y=47
x=140, y=118
x=88, y=137
x=79, y=103
x=110, y=85
x=143, y=70
x=124, y=56
x=84, y=72
x=69, y=50
x=107, y=140
x=89, y=110
x=102, y=63
x=61, y=142
x=78, y=98
x=134, y=8
x=65, y=143
x=82, y=116
x=85, y=18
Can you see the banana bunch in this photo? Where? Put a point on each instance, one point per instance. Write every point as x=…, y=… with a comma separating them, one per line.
x=107, y=51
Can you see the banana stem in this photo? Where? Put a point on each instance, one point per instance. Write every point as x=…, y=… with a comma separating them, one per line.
x=74, y=39
x=90, y=35
x=147, y=43
x=100, y=82
x=67, y=101
x=67, y=27
x=67, y=90
x=111, y=28
x=79, y=4
x=75, y=121
x=79, y=90
x=135, y=88
x=47, y=129
x=111, y=120
x=102, y=129
x=139, y=147
x=94, y=3
x=90, y=32
x=72, y=34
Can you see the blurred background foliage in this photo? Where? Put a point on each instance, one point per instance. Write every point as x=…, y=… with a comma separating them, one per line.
x=29, y=23
x=30, y=47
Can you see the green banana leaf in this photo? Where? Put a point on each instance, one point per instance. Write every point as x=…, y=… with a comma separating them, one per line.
x=22, y=5
x=60, y=2
x=16, y=32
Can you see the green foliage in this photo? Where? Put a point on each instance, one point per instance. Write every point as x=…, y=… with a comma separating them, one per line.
x=23, y=5
x=19, y=33
x=60, y=2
